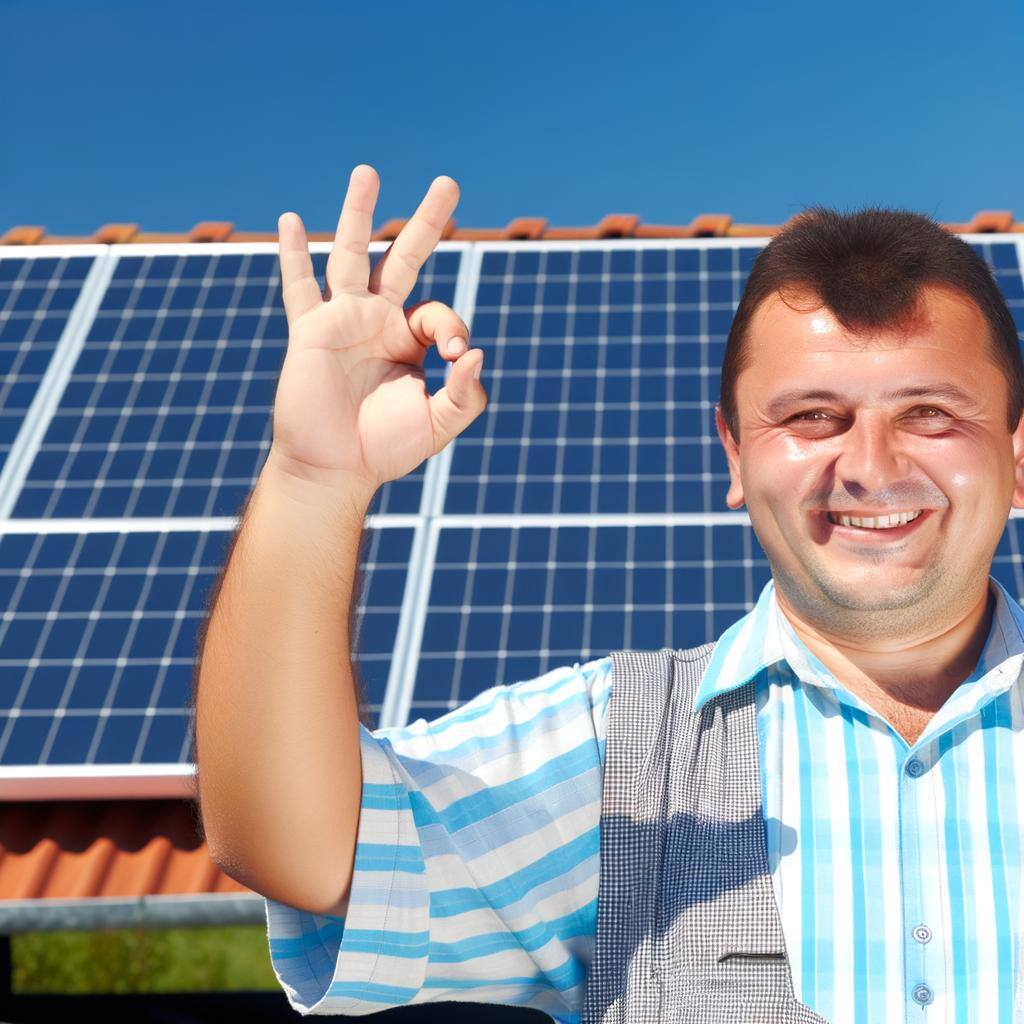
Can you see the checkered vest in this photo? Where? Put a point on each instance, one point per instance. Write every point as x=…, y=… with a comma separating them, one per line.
x=687, y=924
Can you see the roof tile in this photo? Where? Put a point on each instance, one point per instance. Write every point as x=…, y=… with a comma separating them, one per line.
x=102, y=848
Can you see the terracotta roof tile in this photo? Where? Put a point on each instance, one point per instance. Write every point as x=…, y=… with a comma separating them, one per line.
x=106, y=848
x=614, y=225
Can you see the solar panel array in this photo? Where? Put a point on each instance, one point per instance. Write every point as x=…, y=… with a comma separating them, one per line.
x=583, y=511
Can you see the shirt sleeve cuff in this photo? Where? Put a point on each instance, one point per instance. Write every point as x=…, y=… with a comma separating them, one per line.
x=376, y=957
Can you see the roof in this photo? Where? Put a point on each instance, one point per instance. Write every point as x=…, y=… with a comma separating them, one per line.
x=613, y=225
x=113, y=863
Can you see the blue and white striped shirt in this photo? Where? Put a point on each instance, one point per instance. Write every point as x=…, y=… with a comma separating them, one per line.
x=896, y=868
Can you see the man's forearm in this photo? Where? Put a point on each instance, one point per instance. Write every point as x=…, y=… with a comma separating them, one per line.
x=277, y=719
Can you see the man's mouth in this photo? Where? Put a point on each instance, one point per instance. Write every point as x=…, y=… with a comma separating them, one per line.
x=886, y=522
x=874, y=529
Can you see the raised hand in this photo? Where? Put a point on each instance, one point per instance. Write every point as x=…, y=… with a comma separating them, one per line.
x=352, y=403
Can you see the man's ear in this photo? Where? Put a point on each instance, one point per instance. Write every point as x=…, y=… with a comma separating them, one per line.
x=734, y=497
x=1018, y=464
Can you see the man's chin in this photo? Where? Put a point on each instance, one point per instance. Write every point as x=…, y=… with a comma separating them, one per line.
x=876, y=588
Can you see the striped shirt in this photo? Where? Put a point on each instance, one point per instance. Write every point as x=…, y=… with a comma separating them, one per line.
x=896, y=868
x=477, y=857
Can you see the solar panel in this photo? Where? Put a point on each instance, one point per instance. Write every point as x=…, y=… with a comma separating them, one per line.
x=168, y=410
x=99, y=637
x=607, y=359
x=509, y=602
x=583, y=511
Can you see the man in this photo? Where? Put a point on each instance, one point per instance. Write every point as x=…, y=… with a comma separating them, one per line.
x=814, y=818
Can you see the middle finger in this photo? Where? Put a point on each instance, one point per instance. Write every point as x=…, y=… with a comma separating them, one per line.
x=395, y=273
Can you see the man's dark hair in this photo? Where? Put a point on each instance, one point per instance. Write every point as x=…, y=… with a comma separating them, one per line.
x=868, y=268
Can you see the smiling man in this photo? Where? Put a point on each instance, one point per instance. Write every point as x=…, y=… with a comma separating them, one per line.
x=878, y=469
x=816, y=817
x=872, y=391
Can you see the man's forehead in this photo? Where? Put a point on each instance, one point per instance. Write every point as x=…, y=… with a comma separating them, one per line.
x=800, y=351
x=941, y=317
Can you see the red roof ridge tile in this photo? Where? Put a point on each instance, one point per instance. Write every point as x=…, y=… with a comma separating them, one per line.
x=613, y=225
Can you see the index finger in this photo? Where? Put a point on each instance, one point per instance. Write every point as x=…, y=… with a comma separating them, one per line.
x=348, y=266
x=395, y=273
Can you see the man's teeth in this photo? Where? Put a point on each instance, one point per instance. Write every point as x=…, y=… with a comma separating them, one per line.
x=876, y=523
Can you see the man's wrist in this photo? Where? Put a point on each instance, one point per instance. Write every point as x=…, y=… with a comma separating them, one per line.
x=318, y=487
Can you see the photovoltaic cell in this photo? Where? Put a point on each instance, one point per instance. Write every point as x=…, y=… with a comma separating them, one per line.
x=36, y=299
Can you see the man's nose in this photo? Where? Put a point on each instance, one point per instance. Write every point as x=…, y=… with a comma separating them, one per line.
x=870, y=454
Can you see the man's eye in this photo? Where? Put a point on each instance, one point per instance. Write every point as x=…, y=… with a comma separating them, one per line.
x=934, y=410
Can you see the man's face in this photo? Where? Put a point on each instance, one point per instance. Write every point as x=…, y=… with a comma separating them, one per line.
x=859, y=449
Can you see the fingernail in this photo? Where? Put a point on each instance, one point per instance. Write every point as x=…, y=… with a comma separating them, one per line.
x=455, y=347
x=476, y=372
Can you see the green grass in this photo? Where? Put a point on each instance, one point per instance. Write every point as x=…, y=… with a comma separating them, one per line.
x=141, y=960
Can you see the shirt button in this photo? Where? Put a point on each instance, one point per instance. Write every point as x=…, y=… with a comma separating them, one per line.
x=922, y=933
x=915, y=768
x=922, y=994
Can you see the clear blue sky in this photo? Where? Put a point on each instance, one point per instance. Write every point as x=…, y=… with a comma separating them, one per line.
x=170, y=113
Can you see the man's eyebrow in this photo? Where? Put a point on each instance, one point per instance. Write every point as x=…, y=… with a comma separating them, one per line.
x=942, y=392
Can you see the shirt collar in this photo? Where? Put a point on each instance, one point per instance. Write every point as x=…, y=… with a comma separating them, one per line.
x=764, y=636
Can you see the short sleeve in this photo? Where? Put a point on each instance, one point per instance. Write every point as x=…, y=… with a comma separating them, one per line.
x=477, y=860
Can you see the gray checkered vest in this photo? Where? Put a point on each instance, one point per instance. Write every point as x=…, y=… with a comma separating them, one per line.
x=687, y=924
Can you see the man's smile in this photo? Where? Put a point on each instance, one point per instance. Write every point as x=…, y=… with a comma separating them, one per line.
x=871, y=535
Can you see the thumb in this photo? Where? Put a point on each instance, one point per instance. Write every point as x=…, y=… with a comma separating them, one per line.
x=460, y=401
